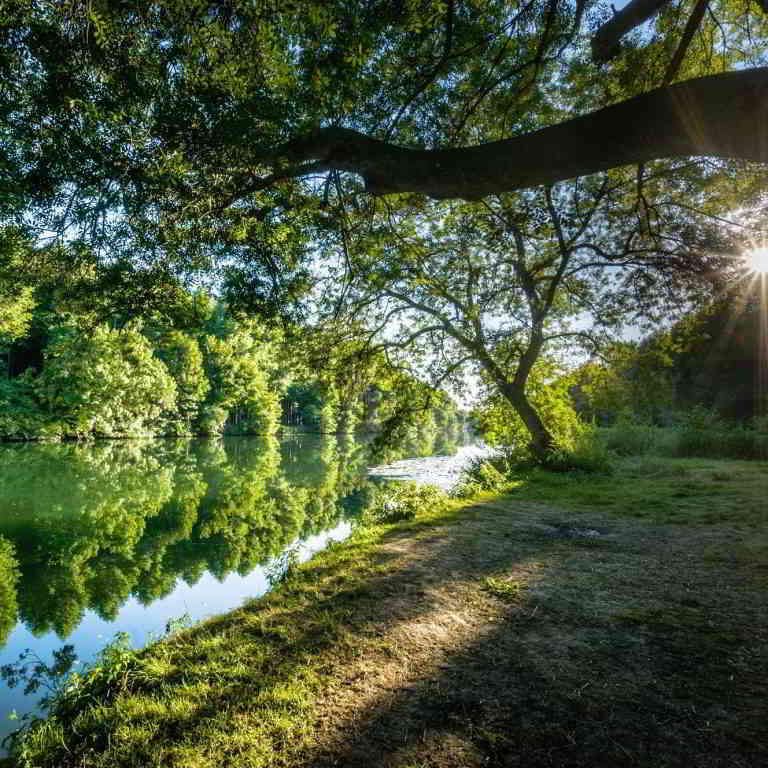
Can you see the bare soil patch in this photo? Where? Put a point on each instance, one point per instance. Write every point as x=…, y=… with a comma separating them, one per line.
x=621, y=644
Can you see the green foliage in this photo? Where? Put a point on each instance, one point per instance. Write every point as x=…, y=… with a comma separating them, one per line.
x=21, y=416
x=710, y=358
x=628, y=436
x=105, y=383
x=313, y=405
x=504, y=589
x=181, y=355
x=483, y=474
x=548, y=392
x=587, y=457
x=238, y=368
x=8, y=578
x=17, y=301
x=699, y=432
x=396, y=502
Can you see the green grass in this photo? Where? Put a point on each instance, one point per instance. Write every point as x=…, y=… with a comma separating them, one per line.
x=658, y=490
x=489, y=628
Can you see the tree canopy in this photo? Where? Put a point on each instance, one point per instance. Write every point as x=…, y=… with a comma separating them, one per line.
x=271, y=148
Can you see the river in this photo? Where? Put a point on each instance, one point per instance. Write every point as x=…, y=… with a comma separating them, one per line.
x=127, y=536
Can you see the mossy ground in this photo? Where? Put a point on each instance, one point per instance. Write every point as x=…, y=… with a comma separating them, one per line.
x=570, y=622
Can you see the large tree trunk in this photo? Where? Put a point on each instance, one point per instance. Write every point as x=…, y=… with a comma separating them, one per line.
x=720, y=116
x=542, y=442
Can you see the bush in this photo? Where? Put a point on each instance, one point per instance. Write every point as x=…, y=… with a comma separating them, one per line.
x=486, y=474
x=629, y=438
x=397, y=502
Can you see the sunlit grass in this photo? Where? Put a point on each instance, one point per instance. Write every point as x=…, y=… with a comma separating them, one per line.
x=659, y=490
x=249, y=688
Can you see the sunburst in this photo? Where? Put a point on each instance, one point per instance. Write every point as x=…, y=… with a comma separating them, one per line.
x=756, y=261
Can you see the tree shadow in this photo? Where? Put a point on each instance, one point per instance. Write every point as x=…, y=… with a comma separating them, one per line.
x=597, y=661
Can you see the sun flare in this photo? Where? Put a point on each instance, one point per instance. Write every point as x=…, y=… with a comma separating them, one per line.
x=757, y=260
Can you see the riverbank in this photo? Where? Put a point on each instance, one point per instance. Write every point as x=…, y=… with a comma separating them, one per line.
x=570, y=621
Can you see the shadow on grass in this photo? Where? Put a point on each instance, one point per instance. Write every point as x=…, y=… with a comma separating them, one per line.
x=618, y=651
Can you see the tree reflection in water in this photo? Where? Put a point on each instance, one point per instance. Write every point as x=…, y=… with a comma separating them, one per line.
x=85, y=527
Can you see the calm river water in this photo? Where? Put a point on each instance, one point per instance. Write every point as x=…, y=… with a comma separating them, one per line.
x=125, y=536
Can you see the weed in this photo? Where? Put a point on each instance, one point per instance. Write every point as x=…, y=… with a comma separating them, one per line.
x=284, y=568
x=398, y=502
x=504, y=589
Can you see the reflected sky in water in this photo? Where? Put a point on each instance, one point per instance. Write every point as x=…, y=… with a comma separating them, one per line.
x=123, y=536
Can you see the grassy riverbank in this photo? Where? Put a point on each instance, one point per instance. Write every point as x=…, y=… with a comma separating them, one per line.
x=571, y=621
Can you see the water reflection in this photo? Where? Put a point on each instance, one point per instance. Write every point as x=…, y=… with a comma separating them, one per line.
x=89, y=526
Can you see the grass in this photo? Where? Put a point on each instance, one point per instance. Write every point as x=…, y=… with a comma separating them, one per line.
x=659, y=490
x=572, y=621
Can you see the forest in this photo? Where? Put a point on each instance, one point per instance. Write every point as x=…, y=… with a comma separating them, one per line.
x=71, y=370
x=538, y=226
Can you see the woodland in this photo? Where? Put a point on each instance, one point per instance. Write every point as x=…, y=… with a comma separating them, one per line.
x=439, y=188
x=542, y=220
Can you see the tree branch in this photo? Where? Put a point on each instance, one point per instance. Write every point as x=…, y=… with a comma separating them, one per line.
x=694, y=20
x=719, y=115
x=605, y=42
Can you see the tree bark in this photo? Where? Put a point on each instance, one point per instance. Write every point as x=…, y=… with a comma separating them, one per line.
x=605, y=42
x=542, y=442
x=722, y=115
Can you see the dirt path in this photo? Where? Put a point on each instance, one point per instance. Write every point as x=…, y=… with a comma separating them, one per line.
x=595, y=642
x=506, y=633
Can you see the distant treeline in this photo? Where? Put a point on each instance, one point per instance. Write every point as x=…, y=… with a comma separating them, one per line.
x=65, y=376
x=713, y=359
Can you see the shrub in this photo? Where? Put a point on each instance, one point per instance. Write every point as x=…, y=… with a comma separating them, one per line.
x=628, y=437
x=397, y=502
x=484, y=474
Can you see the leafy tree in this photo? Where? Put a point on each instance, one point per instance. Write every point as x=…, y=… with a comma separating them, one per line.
x=238, y=368
x=159, y=139
x=184, y=360
x=105, y=383
x=17, y=302
x=497, y=285
x=709, y=359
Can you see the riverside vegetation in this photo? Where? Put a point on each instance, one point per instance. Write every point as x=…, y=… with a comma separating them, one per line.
x=384, y=198
x=562, y=619
x=604, y=606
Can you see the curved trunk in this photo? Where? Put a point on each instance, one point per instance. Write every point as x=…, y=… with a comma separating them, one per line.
x=542, y=442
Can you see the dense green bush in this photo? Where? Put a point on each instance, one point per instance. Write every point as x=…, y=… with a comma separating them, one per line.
x=483, y=474
x=396, y=502
x=628, y=437
x=699, y=433
x=105, y=383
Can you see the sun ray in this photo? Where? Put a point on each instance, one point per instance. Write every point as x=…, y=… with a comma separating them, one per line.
x=756, y=261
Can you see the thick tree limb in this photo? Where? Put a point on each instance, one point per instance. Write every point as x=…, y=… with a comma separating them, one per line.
x=722, y=115
x=605, y=42
x=694, y=21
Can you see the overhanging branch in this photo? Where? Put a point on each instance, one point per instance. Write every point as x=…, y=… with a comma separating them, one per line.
x=605, y=42
x=722, y=115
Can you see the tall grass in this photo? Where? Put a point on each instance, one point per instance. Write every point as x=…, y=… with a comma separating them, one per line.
x=698, y=434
